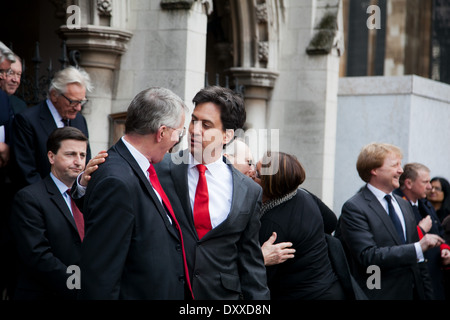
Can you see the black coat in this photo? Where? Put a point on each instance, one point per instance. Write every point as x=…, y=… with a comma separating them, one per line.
x=47, y=242
x=31, y=129
x=432, y=255
x=309, y=274
x=130, y=249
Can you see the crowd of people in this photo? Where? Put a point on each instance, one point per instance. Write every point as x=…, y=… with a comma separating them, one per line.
x=142, y=221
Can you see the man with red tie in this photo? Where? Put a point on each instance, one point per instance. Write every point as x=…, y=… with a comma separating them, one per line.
x=133, y=246
x=47, y=226
x=216, y=205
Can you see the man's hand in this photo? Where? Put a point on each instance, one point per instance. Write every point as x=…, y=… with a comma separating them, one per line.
x=91, y=167
x=276, y=253
x=445, y=255
x=430, y=241
x=426, y=223
x=4, y=154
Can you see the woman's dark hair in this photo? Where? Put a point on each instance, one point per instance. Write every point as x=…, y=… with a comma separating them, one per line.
x=445, y=207
x=285, y=174
x=232, y=110
x=61, y=134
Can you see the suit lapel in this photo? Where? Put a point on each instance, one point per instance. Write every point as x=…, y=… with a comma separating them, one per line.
x=179, y=174
x=47, y=122
x=239, y=195
x=123, y=151
x=408, y=218
x=58, y=200
x=376, y=206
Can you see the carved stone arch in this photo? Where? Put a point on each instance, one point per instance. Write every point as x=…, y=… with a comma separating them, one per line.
x=255, y=44
x=255, y=30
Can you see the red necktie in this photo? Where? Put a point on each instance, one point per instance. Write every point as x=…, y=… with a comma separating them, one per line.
x=155, y=183
x=77, y=216
x=202, y=220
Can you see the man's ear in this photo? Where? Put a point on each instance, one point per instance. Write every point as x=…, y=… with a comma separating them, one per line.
x=160, y=133
x=228, y=136
x=408, y=183
x=53, y=96
x=373, y=172
x=51, y=157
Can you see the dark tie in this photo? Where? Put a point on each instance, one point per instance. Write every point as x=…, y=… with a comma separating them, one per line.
x=395, y=219
x=66, y=122
x=77, y=216
x=155, y=183
x=417, y=214
x=202, y=219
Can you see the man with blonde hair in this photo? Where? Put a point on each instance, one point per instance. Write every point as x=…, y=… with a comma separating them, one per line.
x=379, y=231
x=66, y=97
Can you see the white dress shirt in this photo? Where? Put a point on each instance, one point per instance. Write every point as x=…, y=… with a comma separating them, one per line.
x=380, y=196
x=2, y=134
x=219, y=179
x=63, y=189
x=55, y=114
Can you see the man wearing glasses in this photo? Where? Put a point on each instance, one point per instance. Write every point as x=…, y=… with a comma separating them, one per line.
x=32, y=127
x=11, y=82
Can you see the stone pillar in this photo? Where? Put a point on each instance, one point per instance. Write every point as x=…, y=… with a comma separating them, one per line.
x=100, y=48
x=304, y=100
x=258, y=84
x=183, y=25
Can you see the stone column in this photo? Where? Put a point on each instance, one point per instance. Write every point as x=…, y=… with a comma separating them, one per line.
x=100, y=49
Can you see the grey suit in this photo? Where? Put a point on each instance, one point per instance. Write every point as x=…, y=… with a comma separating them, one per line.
x=227, y=263
x=370, y=238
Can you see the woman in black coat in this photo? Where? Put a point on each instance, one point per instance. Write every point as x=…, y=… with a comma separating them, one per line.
x=294, y=215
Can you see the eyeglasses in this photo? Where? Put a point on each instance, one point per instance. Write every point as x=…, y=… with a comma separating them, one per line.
x=437, y=189
x=181, y=134
x=74, y=103
x=10, y=73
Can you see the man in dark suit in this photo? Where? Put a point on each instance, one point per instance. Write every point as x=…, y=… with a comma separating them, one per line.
x=47, y=228
x=221, y=236
x=414, y=185
x=133, y=246
x=31, y=128
x=6, y=119
x=378, y=229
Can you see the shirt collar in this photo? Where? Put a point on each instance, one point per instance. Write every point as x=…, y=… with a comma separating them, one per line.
x=59, y=184
x=55, y=114
x=215, y=168
x=378, y=193
x=142, y=161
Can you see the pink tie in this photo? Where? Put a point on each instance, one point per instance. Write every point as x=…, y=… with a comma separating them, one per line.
x=202, y=220
x=155, y=183
x=77, y=216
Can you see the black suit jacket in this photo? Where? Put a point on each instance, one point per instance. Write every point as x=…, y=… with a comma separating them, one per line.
x=31, y=129
x=47, y=241
x=432, y=255
x=130, y=249
x=6, y=119
x=227, y=263
x=369, y=237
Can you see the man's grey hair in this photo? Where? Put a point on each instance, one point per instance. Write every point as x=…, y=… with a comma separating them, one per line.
x=6, y=53
x=153, y=108
x=68, y=76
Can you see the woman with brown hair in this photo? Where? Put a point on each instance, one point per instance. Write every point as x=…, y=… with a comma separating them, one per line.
x=294, y=215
